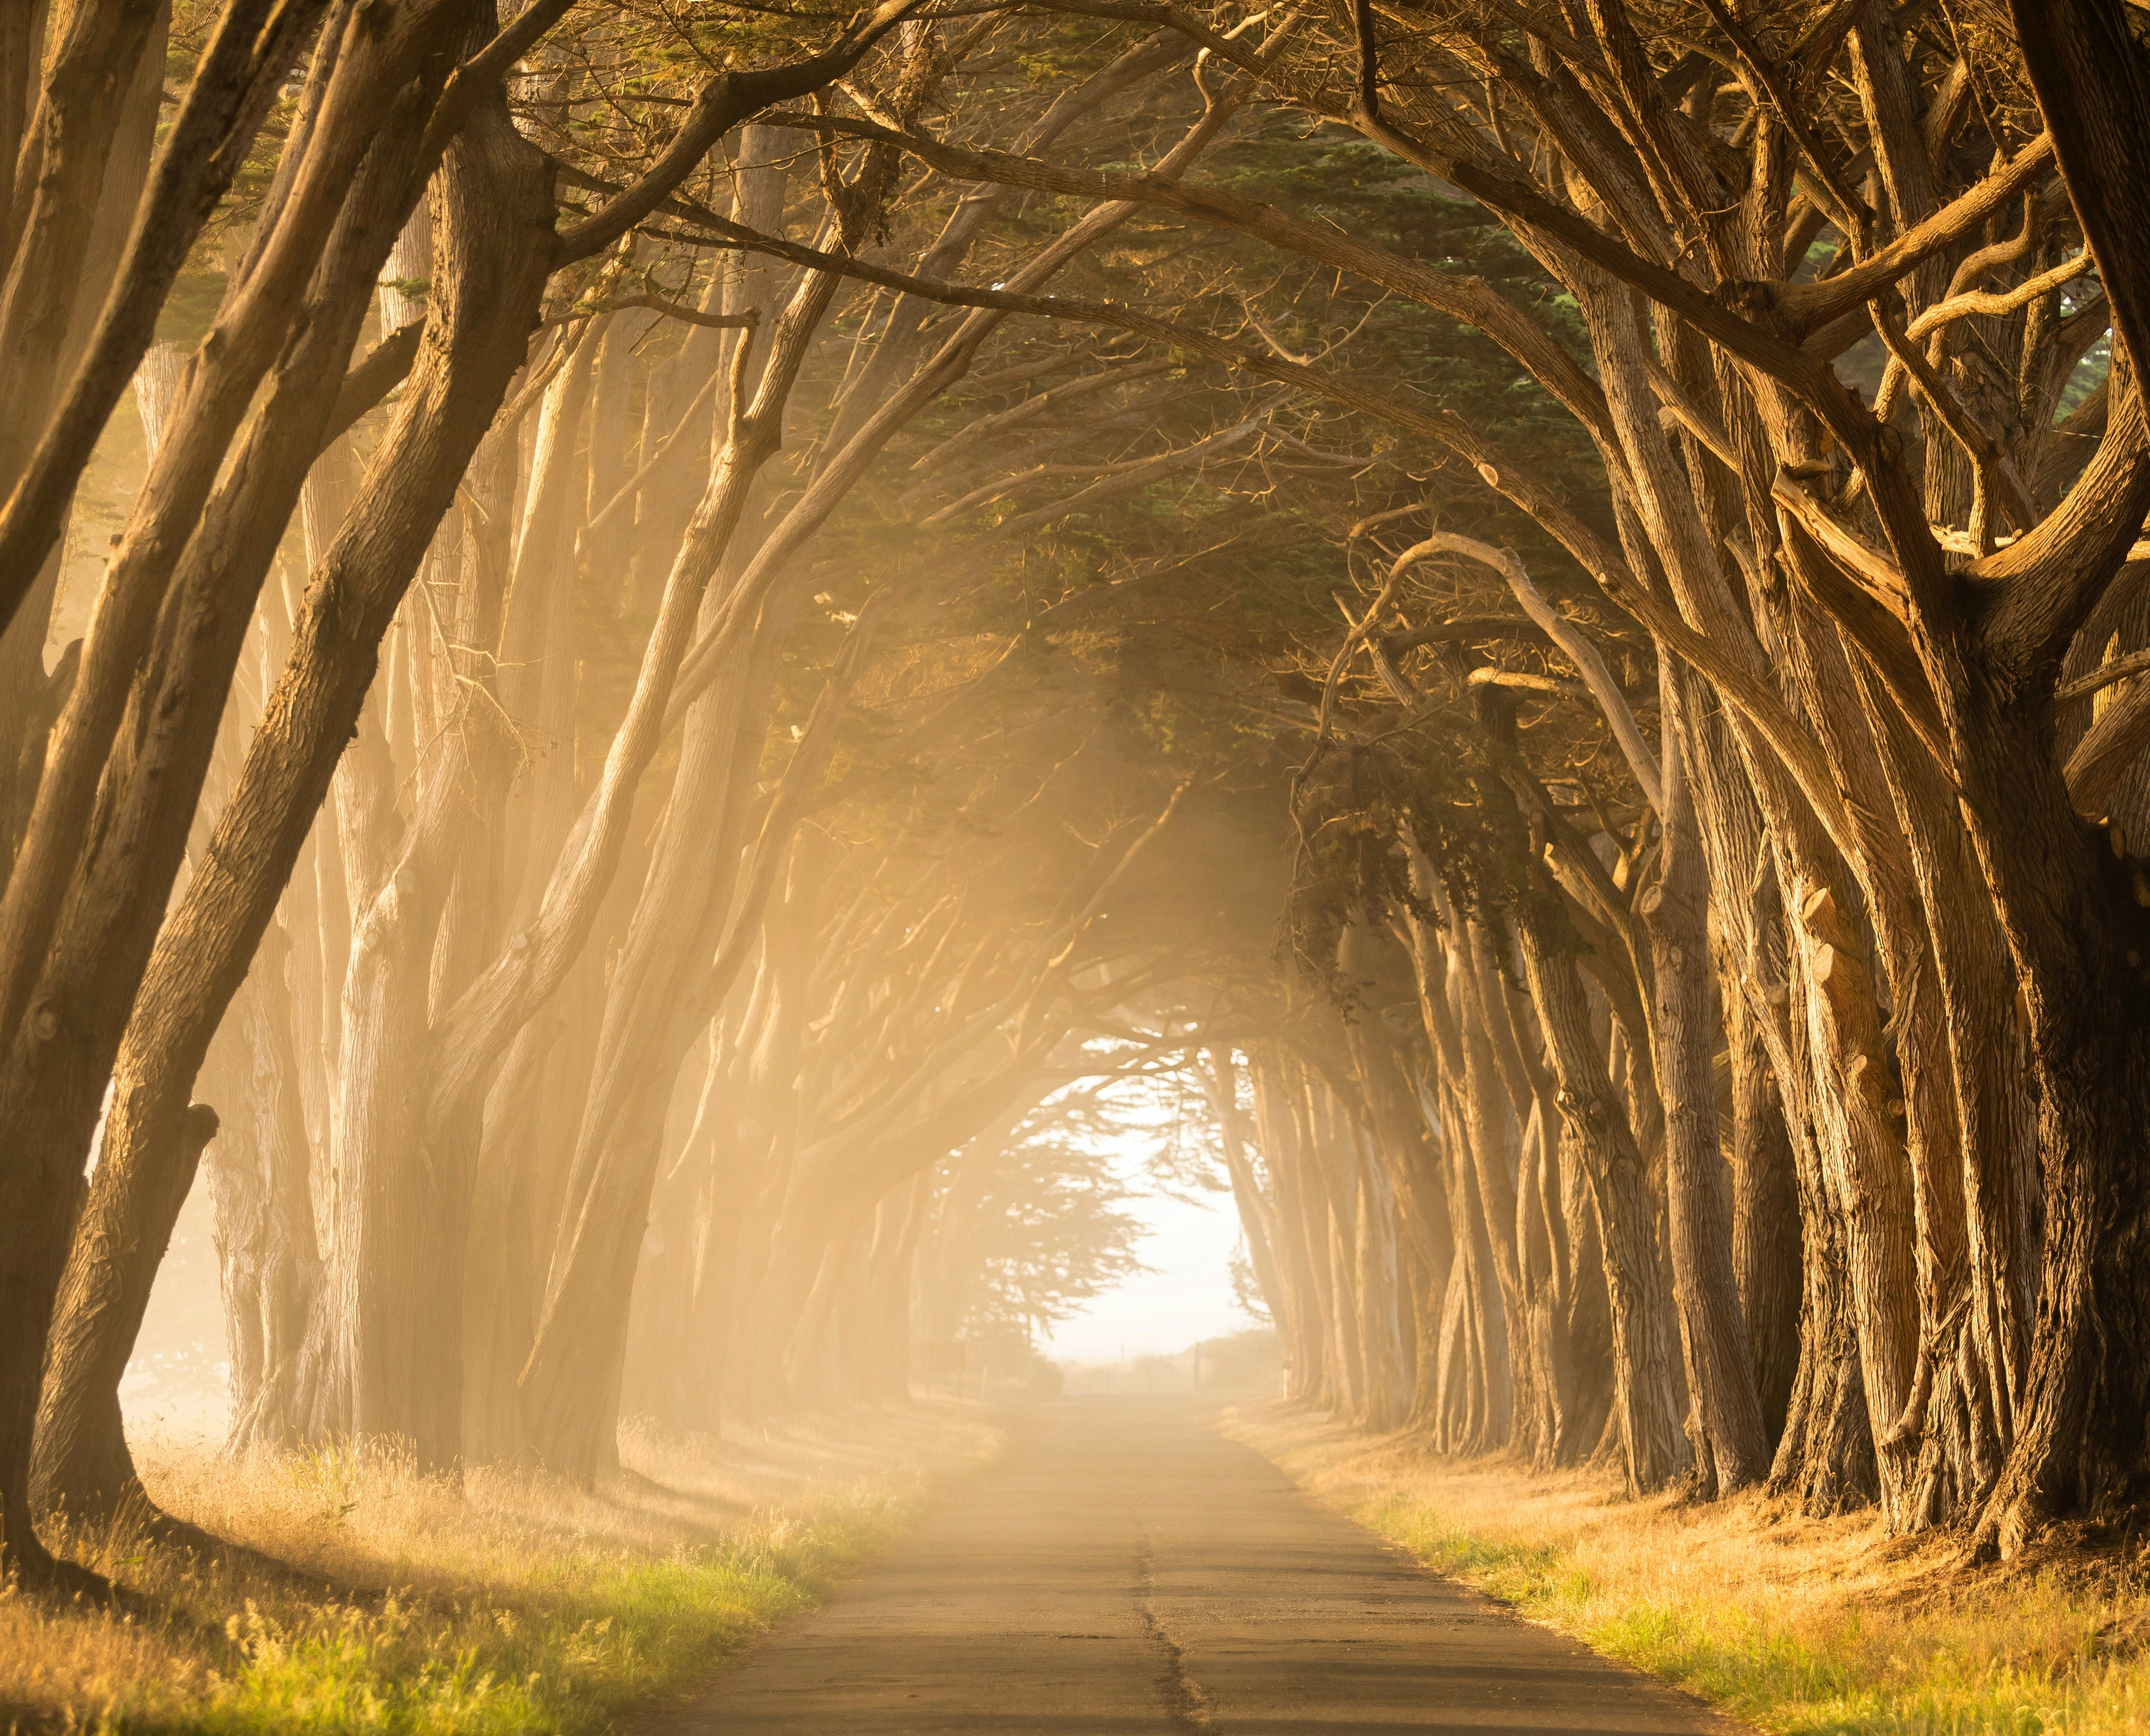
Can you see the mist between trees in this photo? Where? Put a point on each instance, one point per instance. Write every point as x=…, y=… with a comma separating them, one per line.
x=650, y=646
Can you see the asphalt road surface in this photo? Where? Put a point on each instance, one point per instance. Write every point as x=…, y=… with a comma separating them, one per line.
x=1125, y=1568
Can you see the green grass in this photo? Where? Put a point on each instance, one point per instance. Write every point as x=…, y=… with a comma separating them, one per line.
x=2018, y=1655
x=579, y=1642
x=510, y=1602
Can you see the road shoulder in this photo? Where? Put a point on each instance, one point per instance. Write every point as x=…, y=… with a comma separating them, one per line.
x=1784, y=1622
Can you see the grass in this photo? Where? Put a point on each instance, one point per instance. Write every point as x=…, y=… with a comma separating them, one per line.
x=1797, y=1625
x=512, y=1603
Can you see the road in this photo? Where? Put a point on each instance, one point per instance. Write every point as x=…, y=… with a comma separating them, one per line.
x=1125, y=1568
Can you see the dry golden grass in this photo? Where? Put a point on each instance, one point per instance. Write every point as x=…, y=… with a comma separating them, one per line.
x=384, y=1600
x=1794, y=1624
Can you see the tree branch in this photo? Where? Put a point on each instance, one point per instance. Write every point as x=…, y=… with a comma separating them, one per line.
x=724, y=101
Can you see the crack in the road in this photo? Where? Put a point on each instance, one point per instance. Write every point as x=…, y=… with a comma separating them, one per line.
x=1185, y=1705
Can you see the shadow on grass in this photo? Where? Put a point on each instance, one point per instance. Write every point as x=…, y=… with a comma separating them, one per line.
x=320, y=1592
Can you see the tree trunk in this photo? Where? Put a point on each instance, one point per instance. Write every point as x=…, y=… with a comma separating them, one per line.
x=1298, y=1323
x=81, y=971
x=96, y=140
x=1766, y=1228
x=1729, y=1450
x=82, y=1466
x=281, y=1253
x=493, y=191
x=1381, y=1300
x=1643, y=1331
x=1825, y=1456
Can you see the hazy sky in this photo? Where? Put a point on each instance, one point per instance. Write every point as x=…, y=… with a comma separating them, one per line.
x=1188, y=1296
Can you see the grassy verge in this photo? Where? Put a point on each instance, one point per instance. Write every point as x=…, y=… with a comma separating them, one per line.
x=1797, y=1625
x=513, y=1603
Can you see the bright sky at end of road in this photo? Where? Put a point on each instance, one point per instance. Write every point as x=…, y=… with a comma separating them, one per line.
x=1187, y=1294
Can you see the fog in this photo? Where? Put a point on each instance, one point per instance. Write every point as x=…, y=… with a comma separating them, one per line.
x=728, y=716
x=178, y=1383
x=1184, y=1297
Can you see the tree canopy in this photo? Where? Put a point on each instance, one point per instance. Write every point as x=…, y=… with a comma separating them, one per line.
x=694, y=629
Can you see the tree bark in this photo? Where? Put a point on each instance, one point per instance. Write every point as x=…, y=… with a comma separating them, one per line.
x=1766, y=1230
x=1643, y=1331
x=1728, y=1447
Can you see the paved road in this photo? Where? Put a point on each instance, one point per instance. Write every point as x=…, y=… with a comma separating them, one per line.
x=1127, y=1569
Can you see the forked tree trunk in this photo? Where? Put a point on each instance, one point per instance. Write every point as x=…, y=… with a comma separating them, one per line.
x=84, y=970
x=493, y=191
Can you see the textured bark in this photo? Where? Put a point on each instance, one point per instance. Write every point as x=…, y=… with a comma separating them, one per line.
x=1382, y=1301
x=82, y=1466
x=1488, y=1185
x=1397, y=1136
x=1766, y=1230
x=1729, y=1450
x=1866, y=1166
x=87, y=122
x=1959, y=1038
x=1467, y=1345
x=248, y=53
x=1586, y=1304
x=1643, y=1330
x=1825, y=1456
x=1490, y=1145
x=2074, y=936
x=1476, y=1400
x=197, y=522
x=2069, y=912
